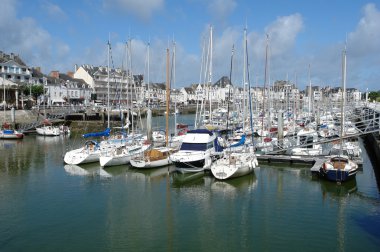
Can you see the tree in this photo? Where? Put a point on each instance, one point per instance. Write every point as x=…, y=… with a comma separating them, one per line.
x=37, y=90
x=374, y=96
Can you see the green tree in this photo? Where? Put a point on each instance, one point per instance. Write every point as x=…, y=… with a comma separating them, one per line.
x=374, y=96
x=37, y=90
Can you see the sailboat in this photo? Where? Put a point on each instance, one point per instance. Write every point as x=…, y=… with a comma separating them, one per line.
x=236, y=162
x=47, y=129
x=158, y=156
x=6, y=132
x=123, y=154
x=340, y=168
x=91, y=150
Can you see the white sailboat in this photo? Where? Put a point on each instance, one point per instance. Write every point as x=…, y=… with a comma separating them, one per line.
x=121, y=155
x=6, y=132
x=91, y=150
x=235, y=162
x=340, y=168
x=158, y=156
x=48, y=130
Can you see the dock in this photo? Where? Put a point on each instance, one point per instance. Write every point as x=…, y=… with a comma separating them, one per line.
x=314, y=161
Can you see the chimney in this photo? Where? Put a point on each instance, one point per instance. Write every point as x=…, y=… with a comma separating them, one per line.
x=70, y=74
x=54, y=74
x=12, y=56
x=75, y=67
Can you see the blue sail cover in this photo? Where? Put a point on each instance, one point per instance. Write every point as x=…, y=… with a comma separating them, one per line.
x=241, y=142
x=218, y=147
x=98, y=134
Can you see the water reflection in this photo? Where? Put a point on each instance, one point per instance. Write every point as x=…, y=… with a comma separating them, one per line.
x=234, y=187
x=114, y=171
x=149, y=175
x=77, y=170
x=338, y=190
x=187, y=179
x=9, y=144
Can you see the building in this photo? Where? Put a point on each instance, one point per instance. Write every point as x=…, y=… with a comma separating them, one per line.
x=14, y=73
x=117, y=84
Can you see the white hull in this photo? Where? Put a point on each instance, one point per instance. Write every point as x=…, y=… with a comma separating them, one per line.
x=14, y=135
x=234, y=165
x=81, y=156
x=141, y=163
x=48, y=131
x=121, y=156
x=114, y=160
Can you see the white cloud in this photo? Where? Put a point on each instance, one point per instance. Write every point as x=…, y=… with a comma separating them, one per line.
x=221, y=8
x=143, y=9
x=23, y=36
x=365, y=39
x=54, y=11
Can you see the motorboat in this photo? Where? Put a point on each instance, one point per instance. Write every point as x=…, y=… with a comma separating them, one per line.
x=338, y=169
x=198, y=149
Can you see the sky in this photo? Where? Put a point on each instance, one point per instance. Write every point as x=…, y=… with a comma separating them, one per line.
x=306, y=38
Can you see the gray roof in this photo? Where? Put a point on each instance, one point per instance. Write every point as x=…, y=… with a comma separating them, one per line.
x=8, y=57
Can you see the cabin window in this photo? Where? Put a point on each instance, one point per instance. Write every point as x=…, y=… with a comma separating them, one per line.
x=306, y=140
x=194, y=146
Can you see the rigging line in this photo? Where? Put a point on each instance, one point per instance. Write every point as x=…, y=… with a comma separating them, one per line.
x=229, y=88
x=249, y=94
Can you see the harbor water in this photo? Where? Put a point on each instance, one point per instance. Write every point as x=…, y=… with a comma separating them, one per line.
x=46, y=205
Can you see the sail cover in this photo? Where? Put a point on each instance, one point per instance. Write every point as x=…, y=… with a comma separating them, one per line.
x=106, y=132
x=241, y=142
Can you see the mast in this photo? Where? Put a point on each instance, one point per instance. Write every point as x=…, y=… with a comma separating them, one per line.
x=343, y=98
x=249, y=94
x=244, y=79
x=309, y=94
x=167, y=97
x=210, y=76
x=200, y=81
x=265, y=84
x=108, y=84
x=149, y=111
x=173, y=81
x=148, y=74
x=229, y=88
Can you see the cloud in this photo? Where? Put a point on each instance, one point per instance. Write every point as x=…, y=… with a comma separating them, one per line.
x=221, y=8
x=142, y=9
x=365, y=39
x=26, y=38
x=54, y=11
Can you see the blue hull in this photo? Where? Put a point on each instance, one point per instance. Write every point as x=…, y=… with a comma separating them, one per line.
x=338, y=175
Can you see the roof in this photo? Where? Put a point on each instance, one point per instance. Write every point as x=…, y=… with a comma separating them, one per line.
x=223, y=82
x=9, y=57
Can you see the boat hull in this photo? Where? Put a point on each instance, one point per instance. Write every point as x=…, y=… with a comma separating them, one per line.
x=338, y=175
x=114, y=160
x=81, y=156
x=141, y=163
x=234, y=166
x=12, y=136
x=48, y=131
